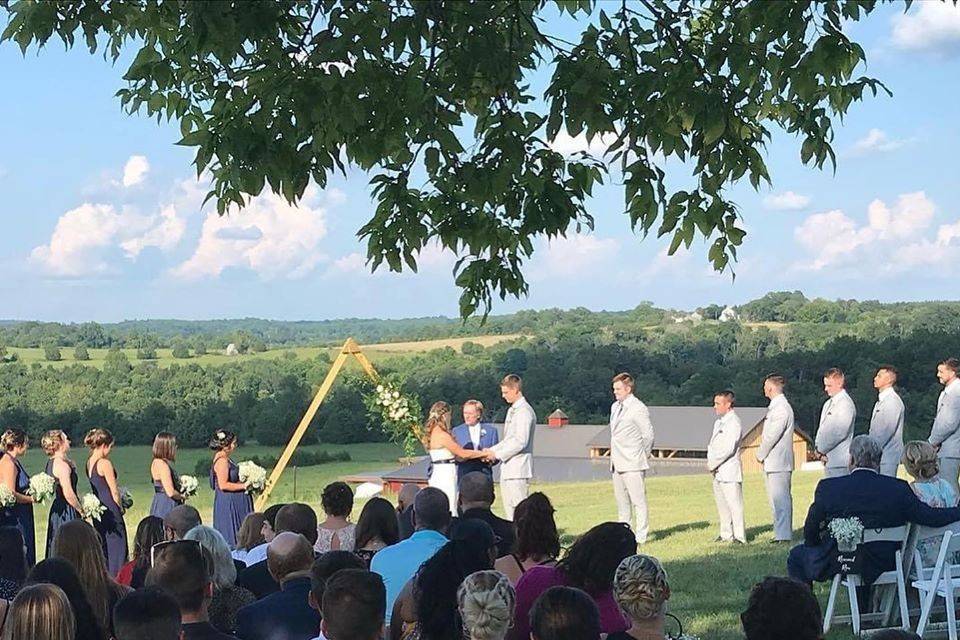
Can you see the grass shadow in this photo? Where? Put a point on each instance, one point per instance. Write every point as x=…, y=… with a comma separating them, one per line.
x=662, y=534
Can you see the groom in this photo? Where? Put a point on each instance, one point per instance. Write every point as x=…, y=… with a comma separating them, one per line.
x=516, y=448
x=477, y=435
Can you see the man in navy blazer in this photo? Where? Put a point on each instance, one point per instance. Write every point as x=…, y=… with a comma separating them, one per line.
x=286, y=614
x=879, y=501
x=473, y=434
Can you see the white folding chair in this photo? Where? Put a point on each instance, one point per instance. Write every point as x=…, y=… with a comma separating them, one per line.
x=895, y=576
x=941, y=583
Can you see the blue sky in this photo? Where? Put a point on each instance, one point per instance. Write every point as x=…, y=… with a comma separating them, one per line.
x=101, y=220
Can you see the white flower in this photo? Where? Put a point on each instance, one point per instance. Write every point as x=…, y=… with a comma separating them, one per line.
x=254, y=476
x=848, y=532
x=42, y=487
x=396, y=394
x=90, y=507
x=188, y=486
x=7, y=499
x=379, y=388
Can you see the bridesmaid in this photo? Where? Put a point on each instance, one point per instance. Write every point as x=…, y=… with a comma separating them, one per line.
x=66, y=504
x=13, y=444
x=103, y=480
x=166, y=482
x=231, y=502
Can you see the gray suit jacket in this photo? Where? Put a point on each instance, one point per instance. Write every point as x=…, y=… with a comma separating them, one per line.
x=776, y=440
x=515, y=449
x=631, y=435
x=946, y=426
x=886, y=425
x=723, y=452
x=836, y=429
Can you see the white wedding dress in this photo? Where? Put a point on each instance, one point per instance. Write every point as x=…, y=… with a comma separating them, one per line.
x=443, y=475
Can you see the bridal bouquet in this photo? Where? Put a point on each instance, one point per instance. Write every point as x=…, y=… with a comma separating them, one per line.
x=126, y=498
x=399, y=413
x=90, y=507
x=254, y=476
x=188, y=486
x=848, y=532
x=7, y=499
x=42, y=486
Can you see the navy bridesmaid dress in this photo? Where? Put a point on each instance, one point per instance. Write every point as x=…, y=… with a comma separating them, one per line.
x=229, y=507
x=60, y=511
x=21, y=515
x=111, y=527
x=162, y=503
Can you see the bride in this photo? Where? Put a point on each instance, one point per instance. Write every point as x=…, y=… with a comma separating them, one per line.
x=444, y=451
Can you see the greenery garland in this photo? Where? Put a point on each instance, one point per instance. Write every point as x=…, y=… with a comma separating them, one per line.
x=398, y=413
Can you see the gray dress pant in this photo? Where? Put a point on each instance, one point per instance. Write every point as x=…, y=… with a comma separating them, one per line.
x=779, y=495
x=729, y=498
x=836, y=472
x=631, y=494
x=513, y=493
x=889, y=469
x=949, y=470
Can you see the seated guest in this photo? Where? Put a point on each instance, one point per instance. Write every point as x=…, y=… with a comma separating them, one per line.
x=39, y=612
x=149, y=532
x=781, y=608
x=408, y=492
x=250, y=537
x=640, y=588
x=59, y=572
x=182, y=569
x=486, y=600
x=286, y=614
x=13, y=562
x=295, y=517
x=353, y=606
x=920, y=460
x=147, y=614
x=397, y=563
x=79, y=544
x=589, y=565
x=564, y=613
x=879, y=501
x=267, y=533
x=181, y=519
x=376, y=529
x=428, y=602
x=228, y=598
x=323, y=569
x=538, y=542
x=336, y=531
x=476, y=499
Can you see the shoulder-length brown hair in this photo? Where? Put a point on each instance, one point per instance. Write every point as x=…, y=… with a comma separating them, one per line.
x=41, y=612
x=78, y=543
x=165, y=446
x=250, y=534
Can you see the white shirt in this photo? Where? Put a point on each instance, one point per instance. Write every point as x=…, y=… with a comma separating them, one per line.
x=475, y=435
x=883, y=394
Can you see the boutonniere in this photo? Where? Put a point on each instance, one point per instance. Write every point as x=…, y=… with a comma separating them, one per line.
x=483, y=431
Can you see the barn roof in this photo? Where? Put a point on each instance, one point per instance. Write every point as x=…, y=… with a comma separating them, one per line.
x=685, y=428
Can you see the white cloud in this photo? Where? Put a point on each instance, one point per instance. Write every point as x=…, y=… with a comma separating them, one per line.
x=876, y=141
x=350, y=263
x=576, y=254
x=930, y=26
x=164, y=233
x=568, y=145
x=268, y=236
x=833, y=239
x=135, y=170
x=786, y=201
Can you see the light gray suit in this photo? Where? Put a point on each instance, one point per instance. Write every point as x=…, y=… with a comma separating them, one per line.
x=776, y=454
x=723, y=460
x=835, y=433
x=946, y=433
x=886, y=425
x=631, y=442
x=515, y=451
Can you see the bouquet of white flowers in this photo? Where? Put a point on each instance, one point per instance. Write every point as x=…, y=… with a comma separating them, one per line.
x=188, y=486
x=126, y=498
x=398, y=413
x=848, y=532
x=42, y=487
x=254, y=476
x=7, y=499
x=90, y=507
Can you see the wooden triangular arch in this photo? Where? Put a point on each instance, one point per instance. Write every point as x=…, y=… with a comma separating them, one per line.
x=350, y=348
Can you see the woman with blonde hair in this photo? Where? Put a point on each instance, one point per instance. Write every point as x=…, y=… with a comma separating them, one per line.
x=920, y=461
x=103, y=480
x=40, y=612
x=66, y=505
x=444, y=450
x=13, y=444
x=641, y=589
x=77, y=543
x=166, y=482
x=486, y=601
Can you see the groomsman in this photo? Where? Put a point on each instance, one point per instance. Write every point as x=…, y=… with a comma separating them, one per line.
x=945, y=435
x=631, y=442
x=476, y=435
x=515, y=450
x=776, y=454
x=723, y=460
x=886, y=423
x=836, y=425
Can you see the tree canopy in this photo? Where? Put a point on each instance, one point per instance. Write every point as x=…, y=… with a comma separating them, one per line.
x=435, y=100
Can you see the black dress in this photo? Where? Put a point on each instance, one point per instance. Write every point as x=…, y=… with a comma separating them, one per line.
x=60, y=511
x=21, y=515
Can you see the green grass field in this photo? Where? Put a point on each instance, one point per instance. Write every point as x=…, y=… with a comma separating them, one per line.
x=710, y=582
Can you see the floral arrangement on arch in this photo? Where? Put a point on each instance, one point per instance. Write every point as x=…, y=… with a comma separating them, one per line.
x=398, y=413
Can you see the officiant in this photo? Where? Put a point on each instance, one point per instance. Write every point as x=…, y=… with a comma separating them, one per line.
x=474, y=434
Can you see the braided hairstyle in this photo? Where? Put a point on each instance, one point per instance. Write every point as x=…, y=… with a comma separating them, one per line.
x=640, y=587
x=486, y=601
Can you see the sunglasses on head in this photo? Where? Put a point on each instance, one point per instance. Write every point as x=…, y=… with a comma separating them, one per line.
x=160, y=547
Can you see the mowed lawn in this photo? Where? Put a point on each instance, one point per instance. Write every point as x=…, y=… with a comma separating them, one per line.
x=710, y=581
